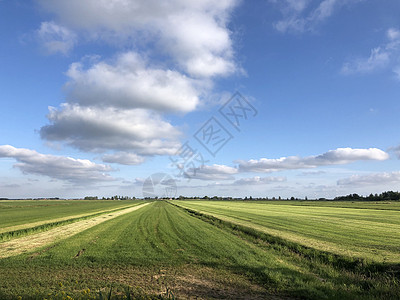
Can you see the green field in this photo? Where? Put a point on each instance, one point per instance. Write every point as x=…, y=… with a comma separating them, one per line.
x=164, y=251
x=358, y=229
x=17, y=214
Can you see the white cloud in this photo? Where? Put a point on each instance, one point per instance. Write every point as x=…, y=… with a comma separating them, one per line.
x=332, y=157
x=202, y=46
x=57, y=167
x=386, y=55
x=371, y=179
x=303, y=15
x=170, y=54
x=194, y=33
x=102, y=129
x=56, y=38
x=128, y=82
x=123, y=158
x=257, y=180
x=393, y=34
x=379, y=58
x=214, y=172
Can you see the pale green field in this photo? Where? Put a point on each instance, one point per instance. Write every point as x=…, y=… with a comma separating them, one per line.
x=358, y=229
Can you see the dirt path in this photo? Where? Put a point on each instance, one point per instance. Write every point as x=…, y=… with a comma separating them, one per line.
x=31, y=242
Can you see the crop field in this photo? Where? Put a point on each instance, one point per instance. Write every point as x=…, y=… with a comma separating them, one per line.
x=196, y=249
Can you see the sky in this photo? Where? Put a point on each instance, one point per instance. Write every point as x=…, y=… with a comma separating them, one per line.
x=262, y=98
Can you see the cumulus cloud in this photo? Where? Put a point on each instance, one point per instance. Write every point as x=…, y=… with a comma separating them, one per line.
x=128, y=82
x=214, y=172
x=57, y=167
x=304, y=15
x=100, y=129
x=202, y=47
x=371, y=179
x=381, y=57
x=257, y=180
x=170, y=53
x=332, y=157
x=123, y=158
x=118, y=106
x=193, y=33
x=56, y=38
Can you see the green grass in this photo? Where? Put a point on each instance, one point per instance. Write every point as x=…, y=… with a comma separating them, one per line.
x=47, y=225
x=160, y=248
x=349, y=229
x=386, y=205
x=19, y=214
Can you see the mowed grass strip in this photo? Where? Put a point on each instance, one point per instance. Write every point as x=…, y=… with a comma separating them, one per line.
x=170, y=248
x=31, y=242
x=367, y=233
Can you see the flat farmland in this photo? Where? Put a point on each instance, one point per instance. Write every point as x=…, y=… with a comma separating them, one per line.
x=20, y=214
x=358, y=229
x=157, y=250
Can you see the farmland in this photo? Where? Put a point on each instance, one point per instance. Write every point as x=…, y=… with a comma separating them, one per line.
x=19, y=214
x=362, y=229
x=158, y=249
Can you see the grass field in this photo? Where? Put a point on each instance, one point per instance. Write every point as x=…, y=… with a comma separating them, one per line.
x=17, y=214
x=361, y=229
x=160, y=250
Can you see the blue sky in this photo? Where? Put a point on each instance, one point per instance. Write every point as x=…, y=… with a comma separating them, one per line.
x=99, y=95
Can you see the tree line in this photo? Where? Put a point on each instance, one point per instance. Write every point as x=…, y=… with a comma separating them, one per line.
x=385, y=196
